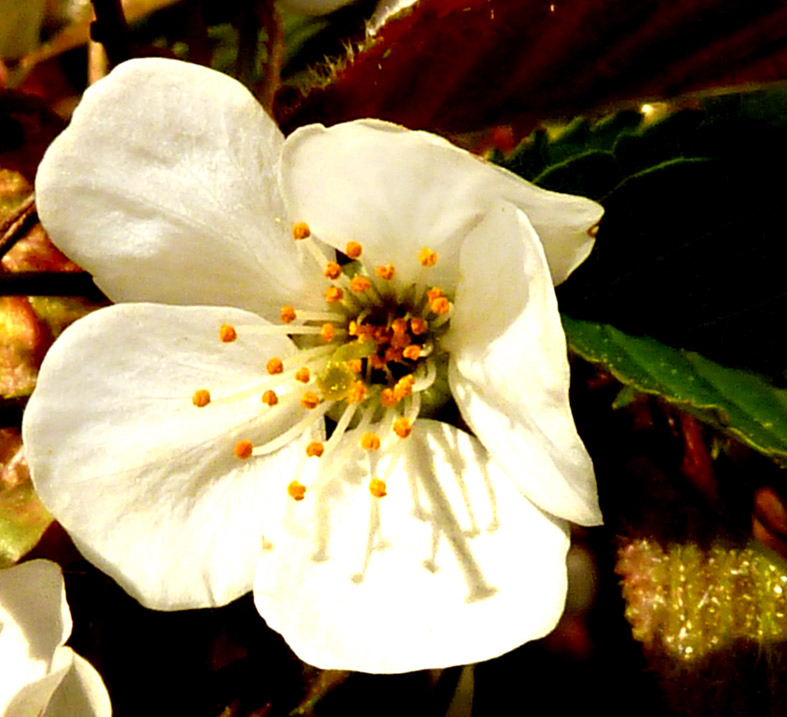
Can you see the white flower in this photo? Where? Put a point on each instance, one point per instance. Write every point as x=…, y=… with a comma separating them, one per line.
x=173, y=186
x=40, y=676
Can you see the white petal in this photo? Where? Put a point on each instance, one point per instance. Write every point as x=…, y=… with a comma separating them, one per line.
x=164, y=188
x=397, y=191
x=34, y=622
x=81, y=692
x=384, y=11
x=497, y=579
x=146, y=483
x=509, y=371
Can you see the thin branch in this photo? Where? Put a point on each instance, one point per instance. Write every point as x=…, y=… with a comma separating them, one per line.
x=18, y=224
x=111, y=30
x=50, y=283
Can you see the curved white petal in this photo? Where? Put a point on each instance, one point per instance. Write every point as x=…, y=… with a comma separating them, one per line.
x=509, y=371
x=164, y=188
x=81, y=692
x=397, y=191
x=146, y=483
x=496, y=579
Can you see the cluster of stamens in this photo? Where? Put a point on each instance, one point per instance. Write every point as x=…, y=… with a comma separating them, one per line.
x=364, y=361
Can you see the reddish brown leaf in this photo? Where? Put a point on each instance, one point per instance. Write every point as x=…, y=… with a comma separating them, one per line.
x=21, y=346
x=461, y=65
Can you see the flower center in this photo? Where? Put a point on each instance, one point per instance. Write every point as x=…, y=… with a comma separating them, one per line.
x=365, y=361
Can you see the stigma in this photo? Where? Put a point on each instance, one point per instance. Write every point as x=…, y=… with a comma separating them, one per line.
x=364, y=360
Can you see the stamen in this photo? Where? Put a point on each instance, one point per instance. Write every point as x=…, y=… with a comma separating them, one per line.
x=377, y=488
x=355, y=365
x=315, y=449
x=288, y=314
x=201, y=398
x=404, y=387
x=400, y=341
x=303, y=375
x=332, y=270
x=353, y=249
x=310, y=400
x=300, y=230
x=296, y=490
x=434, y=293
x=333, y=294
x=370, y=442
x=388, y=398
x=243, y=449
x=440, y=305
x=427, y=257
x=418, y=325
x=360, y=284
x=427, y=379
x=385, y=272
x=327, y=332
x=357, y=393
x=399, y=326
x=412, y=352
x=274, y=366
x=227, y=333
x=269, y=398
x=402, y=427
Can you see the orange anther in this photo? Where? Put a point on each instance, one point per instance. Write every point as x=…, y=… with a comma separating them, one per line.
x=287, y=314
x=243, y=449
x=399, y=326
x=399, y=341
x=359, y=284
x=386, y=271
x=404, y=387
x=315, y=449
x=353, y=249
x=402, y=427
x=427, y=257
x=296, y=490
x=412, y=352
x=388, y=398
x=440, y=305
x=355, y=365
x=310, y=400
x=332, y=270
x=274, y=366
x=377, y=488
x=300, y=230
x=327, y=332
x=201, y=398
x=352, y=327
x=358, y=392
x=392, y=354
x=303, y=375
x=333, y=294
x=418, y=326
x=434, y=293
x=370, y=442
x=377, y=361
x=227, y=333
x=269, y=398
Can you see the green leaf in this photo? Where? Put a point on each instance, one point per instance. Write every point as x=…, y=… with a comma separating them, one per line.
x=739, y=403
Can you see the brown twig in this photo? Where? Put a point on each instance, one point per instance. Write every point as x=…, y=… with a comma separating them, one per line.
x=111, y=30
x=15, y=226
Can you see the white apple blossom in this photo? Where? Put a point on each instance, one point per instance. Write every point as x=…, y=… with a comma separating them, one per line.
x=40, y=676
x=182, y=442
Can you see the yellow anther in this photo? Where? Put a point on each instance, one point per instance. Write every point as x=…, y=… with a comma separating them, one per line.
x=327, y=332
x=303, y=375
x=358, y=392
x=370, y=442
x=296, y=491
x=287, y=314
x=399, y=326
x=404, y=387
x=388, y=398
x=310, y=400
x=315, y=449
x=434, y=293
x=300, y=230
x=377, y=488
x=355, y=365
x=402, y=427
x=440, y=305
x=333, y=294
x=412, y=352
x=427, y=257
x=269, y=398
x=227, y=333
x=243, y=449
x=274, y=366
x=332, y=270
x=352, y=328
x=392, y=354
x=418, y=326
x=201, y=398
x=386, y=271
x=353, y=249
x=359, y=284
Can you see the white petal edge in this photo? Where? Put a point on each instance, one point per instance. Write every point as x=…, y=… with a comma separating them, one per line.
x=397, y=191
x=509, y=370
x=81, y=692
x=147, y=484
x=164, y=188
x=500, y=579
